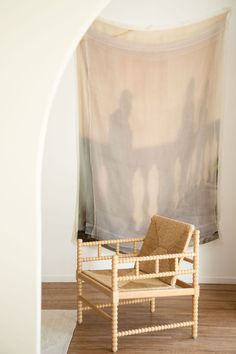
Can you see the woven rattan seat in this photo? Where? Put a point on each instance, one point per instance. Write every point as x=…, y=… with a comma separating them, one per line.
x=105, y=277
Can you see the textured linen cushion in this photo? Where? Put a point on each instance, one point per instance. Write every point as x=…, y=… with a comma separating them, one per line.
x=165, y=236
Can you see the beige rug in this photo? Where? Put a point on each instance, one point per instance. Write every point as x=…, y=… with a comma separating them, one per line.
x=57, y=330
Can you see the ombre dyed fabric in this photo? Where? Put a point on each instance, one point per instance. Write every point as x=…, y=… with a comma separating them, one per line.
x=149, y=127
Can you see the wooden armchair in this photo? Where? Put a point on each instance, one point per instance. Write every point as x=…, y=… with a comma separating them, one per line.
x=155, y=273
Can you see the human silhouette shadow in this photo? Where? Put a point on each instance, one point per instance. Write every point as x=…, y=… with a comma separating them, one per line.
x=120, y=161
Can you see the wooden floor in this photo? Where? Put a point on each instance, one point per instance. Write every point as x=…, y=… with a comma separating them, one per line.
x=217, y=322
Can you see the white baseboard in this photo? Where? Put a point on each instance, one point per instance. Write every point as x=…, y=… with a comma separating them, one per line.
x=217, y=280
x=58, y=278
x=202, y=279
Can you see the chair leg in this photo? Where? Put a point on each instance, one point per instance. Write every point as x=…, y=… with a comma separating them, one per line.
x=195, y=316
x=79, y=303
x=152, y=305
x=114, y=327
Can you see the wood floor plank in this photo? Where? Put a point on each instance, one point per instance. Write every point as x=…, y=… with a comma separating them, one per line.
x=217, y=322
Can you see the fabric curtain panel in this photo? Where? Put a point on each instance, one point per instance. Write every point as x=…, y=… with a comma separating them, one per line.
x=149, y=127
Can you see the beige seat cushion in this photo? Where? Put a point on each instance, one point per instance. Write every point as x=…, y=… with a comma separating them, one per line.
x=165, y=236
x=105, y=278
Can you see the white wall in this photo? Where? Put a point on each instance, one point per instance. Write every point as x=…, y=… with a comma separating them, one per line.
x=59, y=180
x=37, y=39
x=218, y=263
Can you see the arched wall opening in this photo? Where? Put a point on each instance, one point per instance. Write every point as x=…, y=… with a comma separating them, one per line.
x=37, y=42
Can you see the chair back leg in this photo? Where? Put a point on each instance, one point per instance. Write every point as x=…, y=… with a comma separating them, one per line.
x=152, y=305
x=195, y=285
x=79, y=283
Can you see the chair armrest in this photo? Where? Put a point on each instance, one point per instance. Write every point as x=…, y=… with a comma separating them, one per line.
x=99, y=245
x=105, y=258
x=127, y=259
x=110, y=242
x=156, y=273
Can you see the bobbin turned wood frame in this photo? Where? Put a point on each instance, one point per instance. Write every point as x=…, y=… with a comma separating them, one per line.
x=132, y=296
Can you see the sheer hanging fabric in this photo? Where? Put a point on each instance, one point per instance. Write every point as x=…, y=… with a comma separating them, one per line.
x=149, y=127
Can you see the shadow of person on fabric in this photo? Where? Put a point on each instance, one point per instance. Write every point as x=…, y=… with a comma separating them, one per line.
x=179, y=167
x=118, y=161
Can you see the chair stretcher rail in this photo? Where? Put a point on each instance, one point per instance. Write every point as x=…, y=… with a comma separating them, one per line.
x=154, y=328
x=95, y=308
x=121, y=302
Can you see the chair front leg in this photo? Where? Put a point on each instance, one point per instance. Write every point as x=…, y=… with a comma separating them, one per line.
x=80, y=303
x=115, y=303
x=114, y=327
x=195, y=316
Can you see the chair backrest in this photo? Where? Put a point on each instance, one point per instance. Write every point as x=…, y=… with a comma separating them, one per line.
x=165, y=236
